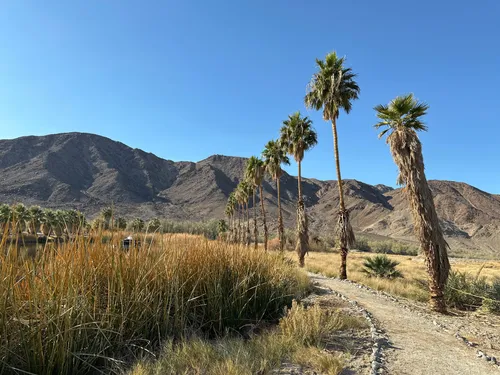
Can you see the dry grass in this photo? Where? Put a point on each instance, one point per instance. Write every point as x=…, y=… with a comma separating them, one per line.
x=88, y=306
x=414, y=283
x=299, y=338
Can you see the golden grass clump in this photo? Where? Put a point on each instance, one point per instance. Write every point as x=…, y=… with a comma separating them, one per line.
x=85, y=305
x=300, y=338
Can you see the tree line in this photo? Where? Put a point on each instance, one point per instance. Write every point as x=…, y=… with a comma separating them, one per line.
x=332, y=90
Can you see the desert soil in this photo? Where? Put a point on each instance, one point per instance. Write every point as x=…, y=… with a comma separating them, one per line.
x=422, y=342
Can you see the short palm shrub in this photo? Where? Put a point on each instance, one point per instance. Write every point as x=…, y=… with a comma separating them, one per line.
x=381, y=266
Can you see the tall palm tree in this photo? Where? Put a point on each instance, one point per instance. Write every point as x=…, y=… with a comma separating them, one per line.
x=255, y=173
x=401, y=118
x=274, y=155
x=246, y=189
x=298, y=136
x=333, y=88
x=240, y=199
x=230, y=209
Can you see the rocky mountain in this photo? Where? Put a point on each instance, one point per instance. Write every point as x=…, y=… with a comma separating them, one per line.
x=87, y=172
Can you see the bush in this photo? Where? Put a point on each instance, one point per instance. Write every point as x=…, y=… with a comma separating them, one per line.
x=381, y=266
x=385, y=247
x=362, y=244
x=209, y=229
x=466, y=292
x=83, y=307
x=321, y=243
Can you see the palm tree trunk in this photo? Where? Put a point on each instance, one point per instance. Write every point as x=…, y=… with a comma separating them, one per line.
x=263, y=213
x=302, y=245
x=248, y=237
x=345, y=232
x=406, y=151
x=255, y=230
x=239, y=236
x=280, y=216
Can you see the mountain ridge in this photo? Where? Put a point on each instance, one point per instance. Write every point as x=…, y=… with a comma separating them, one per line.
x=88, y=171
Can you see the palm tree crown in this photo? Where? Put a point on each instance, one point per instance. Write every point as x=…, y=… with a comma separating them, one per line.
x=298, y=135
x=274, y=155
x=254, y=171
x=403, y=112
x=332, y=87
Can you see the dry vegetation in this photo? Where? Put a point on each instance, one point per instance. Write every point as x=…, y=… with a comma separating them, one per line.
x=300, y=338
x=414, y=283
x=88, y=306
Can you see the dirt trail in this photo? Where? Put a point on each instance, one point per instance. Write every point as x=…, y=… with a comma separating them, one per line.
x=417, y=344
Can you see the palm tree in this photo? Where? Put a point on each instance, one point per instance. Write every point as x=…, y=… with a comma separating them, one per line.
x=34, y=214
x=60, y=222
x=107, y=215
x=138, y=225
x=274, y=155
x=401, y=119
x=240, y=199
x=121, y=223
x=20, y=216
x=298, y=136
x=47, y=221
x=230, y=208
x=333, y=88
x=72, y=221
x=255, y=173
x=245, y=192
x=5, y=218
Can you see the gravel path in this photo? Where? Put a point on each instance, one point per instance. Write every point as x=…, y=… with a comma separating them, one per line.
x=418, y=343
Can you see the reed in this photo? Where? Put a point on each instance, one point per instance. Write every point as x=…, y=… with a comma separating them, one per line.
x=87, y=306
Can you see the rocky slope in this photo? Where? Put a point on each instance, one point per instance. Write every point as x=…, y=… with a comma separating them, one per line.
x=87, y=172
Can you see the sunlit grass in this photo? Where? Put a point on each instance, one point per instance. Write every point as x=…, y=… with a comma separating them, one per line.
x=414, y=283
x=300, y=338
x=88, y=306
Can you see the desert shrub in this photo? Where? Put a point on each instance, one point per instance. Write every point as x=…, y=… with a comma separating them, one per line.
x=154, y=225
x=321, y=243
x=381, y=266
x=467, y=292
x=386, y=247
x=493, y=302
x=83, y=307
x=209, y=229
x=362, y=244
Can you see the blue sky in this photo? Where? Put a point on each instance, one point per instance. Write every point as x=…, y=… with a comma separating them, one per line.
x=188, y=79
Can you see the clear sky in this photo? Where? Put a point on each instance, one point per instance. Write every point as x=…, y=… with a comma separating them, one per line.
x=188, y=79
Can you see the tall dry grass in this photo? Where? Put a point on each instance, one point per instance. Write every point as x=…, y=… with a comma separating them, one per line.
x=88, y=307
x=413, y=285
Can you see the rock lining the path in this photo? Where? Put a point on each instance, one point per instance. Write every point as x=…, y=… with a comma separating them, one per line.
x=380, y=340
x=480, y=353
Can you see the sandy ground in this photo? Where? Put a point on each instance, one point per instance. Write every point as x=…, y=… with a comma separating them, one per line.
x=421, y=342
